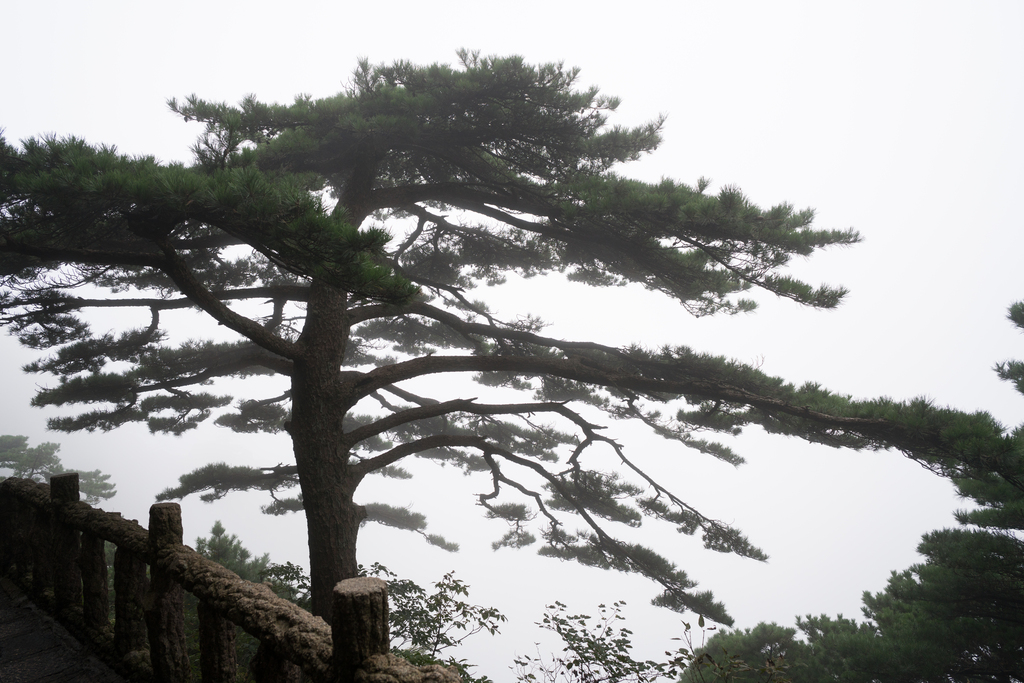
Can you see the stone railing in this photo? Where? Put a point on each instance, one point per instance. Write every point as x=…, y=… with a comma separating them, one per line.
x=54, y=545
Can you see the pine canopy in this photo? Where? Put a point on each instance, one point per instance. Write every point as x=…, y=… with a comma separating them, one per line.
x=341, y=238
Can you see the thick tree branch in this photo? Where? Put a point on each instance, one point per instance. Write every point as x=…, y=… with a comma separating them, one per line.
x=409, y=396
x=218, y=240
x=232, y=364
x=178, y=271
x=589, y=371
x=364, y=467
x=458, y=195
x=93, y=257
x=470, y=330
x=221, y=478
x=468, y=406
x=405, y=417
x=276, y=293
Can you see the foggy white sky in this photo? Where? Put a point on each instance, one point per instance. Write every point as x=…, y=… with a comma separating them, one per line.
x=901, y=120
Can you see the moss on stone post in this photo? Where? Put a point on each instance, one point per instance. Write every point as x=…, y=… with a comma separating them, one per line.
x=164, y=603
x=359, y=624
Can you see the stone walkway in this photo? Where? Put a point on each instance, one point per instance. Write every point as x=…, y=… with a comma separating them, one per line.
x=36, y=649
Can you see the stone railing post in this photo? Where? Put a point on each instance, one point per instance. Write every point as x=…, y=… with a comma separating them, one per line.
x=96, y=597
x=164, y=603
x=12, y=540
x=130, y=585
x=269, y=668
x=148, y=630
x=42, y=558
x=217, y=658
x=360, y=624
x=64, y=544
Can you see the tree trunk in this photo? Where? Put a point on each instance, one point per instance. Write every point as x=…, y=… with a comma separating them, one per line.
x=332, y=522
x=319, y=403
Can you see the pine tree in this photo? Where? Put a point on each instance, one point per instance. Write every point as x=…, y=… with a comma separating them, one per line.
x=959, y=615
x=339, y=240
x=227, y=550
x=41, y=462
x=756, y=654
x=956, y=616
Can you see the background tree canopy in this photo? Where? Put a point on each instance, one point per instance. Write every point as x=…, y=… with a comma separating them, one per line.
x=39, y=463
x=340, y=238
x=956, y=616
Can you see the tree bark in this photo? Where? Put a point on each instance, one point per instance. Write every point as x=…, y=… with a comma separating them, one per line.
x=332, y=521
x=319, y=404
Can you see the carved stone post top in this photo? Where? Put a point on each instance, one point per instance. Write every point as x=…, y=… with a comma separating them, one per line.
x=165, y=526
x=64, y=487
x=360, y=625
x=361, y=585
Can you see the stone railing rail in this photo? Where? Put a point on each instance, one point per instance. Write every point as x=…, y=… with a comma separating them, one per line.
x=49, y=535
